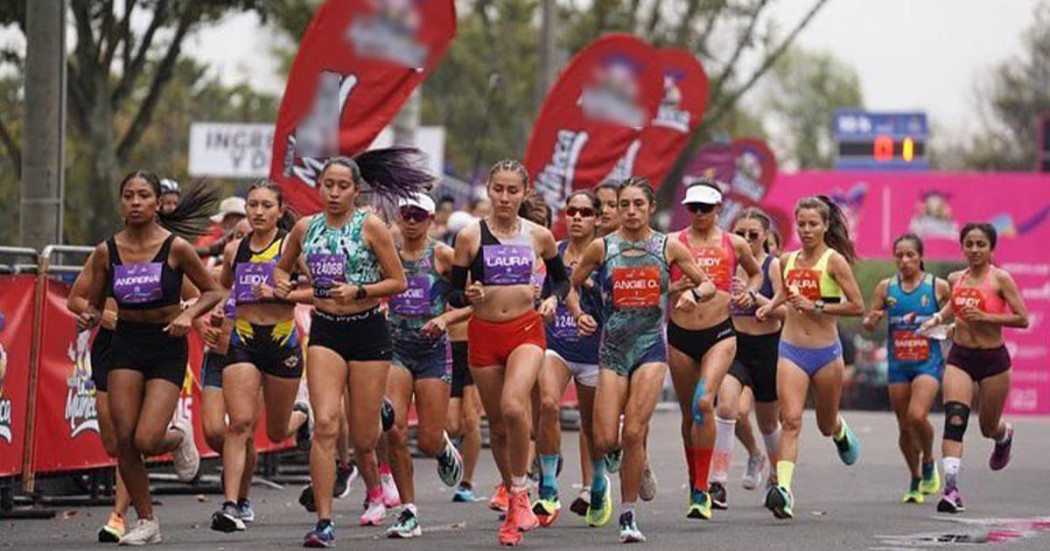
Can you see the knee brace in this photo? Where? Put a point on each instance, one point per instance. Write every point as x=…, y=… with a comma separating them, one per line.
x=956, y=417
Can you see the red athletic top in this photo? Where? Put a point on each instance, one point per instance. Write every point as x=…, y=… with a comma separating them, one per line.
x=717, y=261
x=983, y=297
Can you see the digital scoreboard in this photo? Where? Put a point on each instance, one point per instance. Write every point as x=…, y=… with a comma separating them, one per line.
x=866, y=140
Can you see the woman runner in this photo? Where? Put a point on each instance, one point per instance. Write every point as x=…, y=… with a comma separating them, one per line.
x=819, y=285
x=142, y=268
x=703, y=343
x=506, y=334
x=353, y=263
x=633, y=267
x=754, y=368
x=916, y=362
x=979, y=299
x=418, y=323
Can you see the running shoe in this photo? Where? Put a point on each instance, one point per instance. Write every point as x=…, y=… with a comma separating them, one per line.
x=323, y=535
x=699, y=505
x=345, y=475
x=407, y=526
x=304, y=434
x=914, y=496
x=1001, y=454
x=547, y=507
x=719, y=500
x=508, y=534
x=227, y=519
x=848, y=447
x=374, y=514
x=185, y=457
x=386, y=414
x=931, y=485
x=450, y=464
x=145, y=531
x=613, y=461
x=500, y=499
x=464, y=494
x=306, y=499
x=391, y=497
x=113, y=530
x=601, y=508
x=647, y=491
x=780, y=501
x=244, y=509
x=522, y=512
x=582, y=502
x=951, y=502
x=629, y=532
x=756, y=469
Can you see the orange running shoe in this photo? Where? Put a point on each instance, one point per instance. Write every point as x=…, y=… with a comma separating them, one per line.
x=500, y=500
x=508, y=534
x=521, y=511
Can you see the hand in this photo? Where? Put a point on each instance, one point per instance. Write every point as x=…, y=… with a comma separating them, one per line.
x=283, y=289
x=971, y=313
x=211, y=335
x=873, y=318
x=180, y=326
x=585, y=325
x=707, y=291
x=264, y=292
x=342, y=293
x=686, y=302
x=547, y=308
x=88, y=318
x=475, y=293
x=681, y=285
x=801, y=303
x=762, y=313
x=743, y=300
x=537, y=292
x=928, y=324
x=109, y=319
x=435, y=327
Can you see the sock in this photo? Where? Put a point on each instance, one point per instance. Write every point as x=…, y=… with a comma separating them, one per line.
x=384, y=468
x=412, y=508
x=518, y=484
x=324, y=522
x=702, y=468
x=914, y=487
x=626, y=508
x=466, y=485
x=1006, y=435
x=375, y=494
x=951, y=472
x=549, y=468
x=842, y=430
x=785, y=470
x=690, y=463
x=724, y=440
x=598, y=478
x=927, y=470
x=772, y=441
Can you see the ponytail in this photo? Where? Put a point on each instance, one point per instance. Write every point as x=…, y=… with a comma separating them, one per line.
x=392, y=173
x=837, y=236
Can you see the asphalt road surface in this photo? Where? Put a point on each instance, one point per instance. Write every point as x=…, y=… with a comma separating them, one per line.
x=837, y=507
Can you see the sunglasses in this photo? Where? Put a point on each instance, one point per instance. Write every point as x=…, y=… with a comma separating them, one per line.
x=585, y=212
x=700, y=207
x=412, y=214
x=749, y=235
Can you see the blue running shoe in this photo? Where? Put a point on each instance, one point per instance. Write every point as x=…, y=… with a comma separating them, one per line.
x=464, y=494
x=244, y=509
x=323, y=535
x=848, y=447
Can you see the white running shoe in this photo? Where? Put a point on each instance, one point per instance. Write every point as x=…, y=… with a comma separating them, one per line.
x=374, y=515
x=186, y=458
x=647, y=491
x=146, y=531
x=391, y=497
x=756, y=469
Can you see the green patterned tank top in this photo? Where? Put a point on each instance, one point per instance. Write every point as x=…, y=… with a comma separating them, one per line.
x=339, y=255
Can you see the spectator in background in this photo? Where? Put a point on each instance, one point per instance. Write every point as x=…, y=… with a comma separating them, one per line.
x=231, y=211
x=774, y=243
x=479, y=207
x=457, y=221
x=170, y=194
x=439, y=230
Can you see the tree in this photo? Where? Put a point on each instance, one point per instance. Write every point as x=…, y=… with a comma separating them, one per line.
x=805, y=90
x=117, y=77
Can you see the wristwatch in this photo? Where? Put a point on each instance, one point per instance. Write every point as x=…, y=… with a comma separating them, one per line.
x=361, y=293
x=819, y=306
x=696, y=295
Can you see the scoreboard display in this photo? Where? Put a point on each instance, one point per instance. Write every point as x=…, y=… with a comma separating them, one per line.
x=866, y=140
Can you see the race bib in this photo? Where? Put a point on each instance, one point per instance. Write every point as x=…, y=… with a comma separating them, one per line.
x=564, y=327
x=966, y=297
x=248, y=275
x=713, y=263
x=415, y=301
x=804, y=282
x=137, y=283
x=507, y=264
x=636, y=287
x=909, y=347
x=327, y=270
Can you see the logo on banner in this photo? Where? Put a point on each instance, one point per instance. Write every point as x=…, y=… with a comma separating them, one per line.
x=316, y=137
x=81, y=411
x=551, y=182
x=390, y=34
x=614, y=94
x=5, y=402
x=670, y=114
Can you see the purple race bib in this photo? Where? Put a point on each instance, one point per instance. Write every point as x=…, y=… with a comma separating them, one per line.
x=327, y=270
x=137, y=283
x=564, y=327
x=508, y=264
x=415, y=301
x=230, y=308
x=249, y=274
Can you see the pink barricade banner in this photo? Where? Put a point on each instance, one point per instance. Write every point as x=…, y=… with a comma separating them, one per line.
x=882, y=205
x=16, y=334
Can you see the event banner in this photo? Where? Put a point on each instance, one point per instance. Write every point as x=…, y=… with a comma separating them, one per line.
x=679, y=114
x=880, y=206
x=358, y=62
x=16, y=334
x=599, y=106
x=745, y=168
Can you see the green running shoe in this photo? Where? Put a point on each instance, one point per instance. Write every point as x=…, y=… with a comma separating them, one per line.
x=780, y=501
x=699, y=505
x=601, y=508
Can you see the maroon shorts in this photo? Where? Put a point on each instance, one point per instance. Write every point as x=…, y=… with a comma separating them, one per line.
x=980, y=363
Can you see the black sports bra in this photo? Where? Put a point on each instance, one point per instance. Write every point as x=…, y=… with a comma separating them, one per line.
x=145, y=285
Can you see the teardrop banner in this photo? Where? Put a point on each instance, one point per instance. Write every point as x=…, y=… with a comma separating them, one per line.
x=603, y=99
x=745, y=168
x=358, y=62
x=685, y=93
